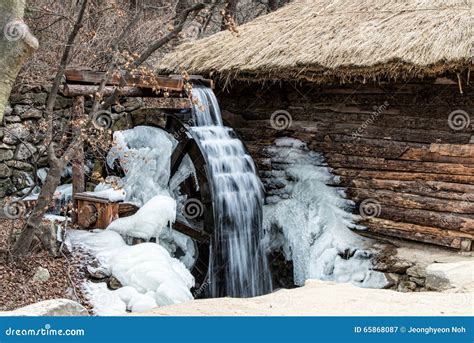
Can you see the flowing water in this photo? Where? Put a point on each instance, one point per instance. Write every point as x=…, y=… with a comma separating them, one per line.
x=238, y=265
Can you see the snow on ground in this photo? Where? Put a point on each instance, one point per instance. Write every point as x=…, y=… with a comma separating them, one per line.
x=149, y=221
x=150, y=276
x=310, y=221
x=325, y=298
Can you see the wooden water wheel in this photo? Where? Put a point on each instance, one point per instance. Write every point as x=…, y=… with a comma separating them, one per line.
x=198, y=219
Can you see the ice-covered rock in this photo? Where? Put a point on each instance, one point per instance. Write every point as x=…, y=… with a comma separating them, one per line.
x=157, y=213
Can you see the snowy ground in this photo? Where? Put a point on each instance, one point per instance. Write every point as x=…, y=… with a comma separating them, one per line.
x=324, y=298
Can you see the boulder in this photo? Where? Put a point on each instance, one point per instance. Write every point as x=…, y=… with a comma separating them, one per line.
x=12, y=119
x=32, y=113
x=6, y=187
x=54, y=307
x=25, y=151
x=14, y=133
x=113, y=283
x=18, y=110
x=19, y=165
x=5, y=171
x=8, y=110
x=41, y=275
x=5, y=155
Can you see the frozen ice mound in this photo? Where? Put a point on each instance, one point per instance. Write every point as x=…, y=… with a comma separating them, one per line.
x=310, y=221
x=149, y=221
x=144, y=154
x=150, y=276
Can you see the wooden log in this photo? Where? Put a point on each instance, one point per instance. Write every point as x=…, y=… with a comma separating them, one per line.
x=442, y=220
x=411, y=201
x=410, y=176
x=95, y=77
x=345, y=161
x=427, y=234
x=435, y=189
x=408, y=135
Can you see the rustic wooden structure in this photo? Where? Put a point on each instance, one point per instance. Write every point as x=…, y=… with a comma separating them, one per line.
x=94, y=212
x=373, y=91
x=406, y=157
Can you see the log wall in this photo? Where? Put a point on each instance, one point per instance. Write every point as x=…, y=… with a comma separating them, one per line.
x=390, y=143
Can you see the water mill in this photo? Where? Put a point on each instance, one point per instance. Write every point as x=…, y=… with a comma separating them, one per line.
x=237, y=157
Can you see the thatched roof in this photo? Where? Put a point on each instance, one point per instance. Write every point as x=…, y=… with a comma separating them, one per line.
x=321, y=40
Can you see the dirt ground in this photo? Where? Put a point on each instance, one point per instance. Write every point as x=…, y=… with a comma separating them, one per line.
x=17, y=287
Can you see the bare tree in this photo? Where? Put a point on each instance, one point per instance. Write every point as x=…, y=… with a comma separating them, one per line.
x=60, y=155
x=16, y=45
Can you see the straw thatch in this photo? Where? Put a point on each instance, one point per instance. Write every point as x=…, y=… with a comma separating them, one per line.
x=321, y=40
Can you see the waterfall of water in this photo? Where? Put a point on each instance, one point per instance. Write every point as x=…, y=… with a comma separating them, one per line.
x=238, y=266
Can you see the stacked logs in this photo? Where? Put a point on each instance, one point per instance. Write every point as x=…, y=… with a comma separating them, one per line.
x=392, y=144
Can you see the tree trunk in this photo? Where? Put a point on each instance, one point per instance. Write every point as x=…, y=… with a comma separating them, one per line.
x=16, y=45
x=33, y=225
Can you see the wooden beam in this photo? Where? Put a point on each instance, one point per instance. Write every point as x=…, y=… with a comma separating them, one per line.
x=95, y=77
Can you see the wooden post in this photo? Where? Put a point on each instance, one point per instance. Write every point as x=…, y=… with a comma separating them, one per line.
x=78, y=179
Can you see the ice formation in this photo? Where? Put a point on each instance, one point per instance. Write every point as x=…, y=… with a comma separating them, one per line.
x=150, y=276
x=144, y=153
x=149, y=221
x=309, y=220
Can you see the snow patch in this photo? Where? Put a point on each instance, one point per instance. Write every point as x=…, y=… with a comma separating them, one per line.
x=149, y=220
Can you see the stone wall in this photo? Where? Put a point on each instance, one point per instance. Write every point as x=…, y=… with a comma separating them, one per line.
x=20, y=137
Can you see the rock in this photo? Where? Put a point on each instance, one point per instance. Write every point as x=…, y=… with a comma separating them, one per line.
x=406, y=286
x=12, y=119
x=113, y=283
x=97, y=273
x=437, y=282
x=62, y=102
x=392, y=265
x=392, y=279
x=118, y=108
x=21, y=179
x=19, y=165
x=1, y=133
x=32, y=113
x=8, y=110
x=418, y=280
x=29, y=98
x=25, y=151
x=6, y=188
x=5, y=155
x=5, y=171
x=417, y=271
x=20, y=109
x=15, y=132
x=54, y=307
x=41, y=275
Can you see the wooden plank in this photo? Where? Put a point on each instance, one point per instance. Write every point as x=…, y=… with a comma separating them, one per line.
x=404, y=175
x=411, y=201
x=435, y=189
x=95, y=77
x=345, y=161
x=448, y=238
